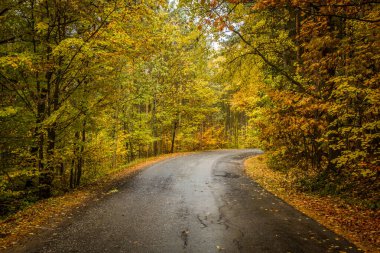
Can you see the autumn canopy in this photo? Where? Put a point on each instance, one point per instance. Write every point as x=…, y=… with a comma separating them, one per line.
x=87, y=86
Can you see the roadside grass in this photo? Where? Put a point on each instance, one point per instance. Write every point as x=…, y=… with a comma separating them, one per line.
x=357, y=224
x=49, y=213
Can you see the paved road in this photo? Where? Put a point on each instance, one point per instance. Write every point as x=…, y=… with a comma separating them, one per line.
x=196, y=203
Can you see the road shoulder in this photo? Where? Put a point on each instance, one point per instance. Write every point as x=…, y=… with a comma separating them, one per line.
x=45, y=215
x=358, y=225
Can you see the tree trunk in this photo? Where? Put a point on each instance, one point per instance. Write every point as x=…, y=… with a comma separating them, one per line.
x=80, y=162
x=72, y=183
x=175, y=125
x=154, y=128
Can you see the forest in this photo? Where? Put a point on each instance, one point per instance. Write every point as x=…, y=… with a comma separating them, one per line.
x=88, y=86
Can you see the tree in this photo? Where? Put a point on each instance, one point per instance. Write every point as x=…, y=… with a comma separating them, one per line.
x=318, y=70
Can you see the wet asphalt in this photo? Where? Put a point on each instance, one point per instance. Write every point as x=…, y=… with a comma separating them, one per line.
x=196, y=203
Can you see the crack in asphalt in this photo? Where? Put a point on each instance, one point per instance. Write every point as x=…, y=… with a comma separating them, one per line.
x=201, y=221
x=185, y=237
x=238, y=244
x=221, y=219
x=228, y=224
x=225, y=174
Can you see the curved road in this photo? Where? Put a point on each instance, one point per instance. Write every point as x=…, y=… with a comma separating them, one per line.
x=197, y=203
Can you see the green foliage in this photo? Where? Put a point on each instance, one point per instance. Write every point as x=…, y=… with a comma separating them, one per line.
x=86, y=88
x=306, y=76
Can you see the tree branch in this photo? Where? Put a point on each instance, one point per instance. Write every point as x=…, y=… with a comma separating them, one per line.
x=271, y=64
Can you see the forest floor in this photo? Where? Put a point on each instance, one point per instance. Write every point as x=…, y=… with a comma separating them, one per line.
x=357, y=224
x=47, y=214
